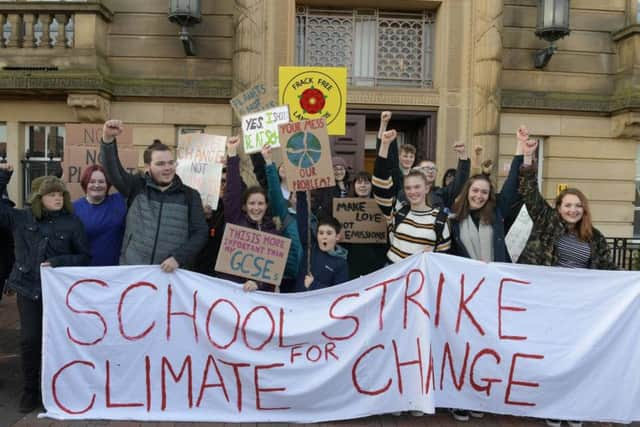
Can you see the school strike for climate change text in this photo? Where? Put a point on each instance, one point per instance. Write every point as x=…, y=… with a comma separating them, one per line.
x=431, y=331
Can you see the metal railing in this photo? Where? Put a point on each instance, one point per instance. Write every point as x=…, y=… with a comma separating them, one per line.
x=625, y=252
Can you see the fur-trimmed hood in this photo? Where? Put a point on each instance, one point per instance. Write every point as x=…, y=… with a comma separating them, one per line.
x=49, y=184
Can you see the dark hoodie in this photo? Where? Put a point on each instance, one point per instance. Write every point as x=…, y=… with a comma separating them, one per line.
x=328, y=268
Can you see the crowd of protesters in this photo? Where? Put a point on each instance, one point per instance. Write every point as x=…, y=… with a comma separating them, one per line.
x=156, y=219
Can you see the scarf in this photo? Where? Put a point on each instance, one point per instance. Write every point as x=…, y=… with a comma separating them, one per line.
x=477, y=240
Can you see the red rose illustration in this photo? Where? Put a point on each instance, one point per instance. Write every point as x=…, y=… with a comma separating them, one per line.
x=312, y=101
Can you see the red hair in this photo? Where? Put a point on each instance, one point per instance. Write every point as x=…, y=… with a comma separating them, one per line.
x=86, y=177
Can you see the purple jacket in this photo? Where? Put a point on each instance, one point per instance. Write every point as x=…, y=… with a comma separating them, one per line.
x=233, y=214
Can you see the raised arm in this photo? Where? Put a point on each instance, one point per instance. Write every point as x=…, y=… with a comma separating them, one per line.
x=232, y=197
x=122, y=180
x=536, y=205
x=277, y=202
x=6, y=211
x=509, y=197
x=451, y=191
x=383, y=187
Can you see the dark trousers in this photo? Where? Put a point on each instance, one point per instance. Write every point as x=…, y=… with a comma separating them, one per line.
x=30, y=342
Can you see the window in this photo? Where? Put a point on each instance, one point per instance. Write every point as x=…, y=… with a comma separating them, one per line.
x=379, y=48
x=43, y=153
x=44, y=142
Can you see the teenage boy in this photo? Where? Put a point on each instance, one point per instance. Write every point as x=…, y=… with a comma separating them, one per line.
x=328, y=266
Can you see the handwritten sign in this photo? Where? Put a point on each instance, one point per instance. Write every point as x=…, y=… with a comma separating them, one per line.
x=82, y=149
x=361, y=219
x=253, y=254
x=252, y=100
x=518, y=235
x=315, y=92
x=307, y=158
x=135, y=343
x=260, y=129
x=200, y=158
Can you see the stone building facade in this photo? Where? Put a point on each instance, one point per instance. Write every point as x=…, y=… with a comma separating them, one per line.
x=474, y=81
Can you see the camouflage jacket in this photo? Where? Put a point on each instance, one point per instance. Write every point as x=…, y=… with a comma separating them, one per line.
x=548, y=227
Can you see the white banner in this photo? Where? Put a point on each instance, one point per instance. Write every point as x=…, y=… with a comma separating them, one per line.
x=432, y=331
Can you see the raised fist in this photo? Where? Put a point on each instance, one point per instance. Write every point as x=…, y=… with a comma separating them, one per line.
x=111, y=130
x=389, y=136
x=522, y=134
x=232, y=145
x=385, y=116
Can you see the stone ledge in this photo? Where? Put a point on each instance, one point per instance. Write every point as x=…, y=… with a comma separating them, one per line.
x=570, y=101
x=67, y=82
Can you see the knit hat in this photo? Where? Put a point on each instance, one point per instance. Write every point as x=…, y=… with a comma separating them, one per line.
x=48, y=184
x=339, y=161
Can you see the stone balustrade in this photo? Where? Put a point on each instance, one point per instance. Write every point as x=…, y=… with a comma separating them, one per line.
x=38, y=34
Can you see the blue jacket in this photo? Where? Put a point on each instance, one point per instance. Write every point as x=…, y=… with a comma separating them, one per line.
x=279, y=207
x=506, y=200
x=327, y=268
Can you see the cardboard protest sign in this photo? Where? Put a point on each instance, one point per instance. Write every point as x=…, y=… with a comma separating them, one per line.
x=361, y=219
x=314, y=92
x=200, y=158
x=82, y=149
x=254, y=99
x=260, y=129
x=307, y=155
x=253, y=254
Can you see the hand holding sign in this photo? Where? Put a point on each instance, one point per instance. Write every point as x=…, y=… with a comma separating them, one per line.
x=111, y=130
x=232, y=146
x=266, y=154
x=308, y=280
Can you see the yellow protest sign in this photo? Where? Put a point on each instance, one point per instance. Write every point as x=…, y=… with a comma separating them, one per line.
x=560, y=188
x=315, y=92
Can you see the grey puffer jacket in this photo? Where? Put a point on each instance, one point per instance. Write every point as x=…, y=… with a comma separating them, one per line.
x=160, y=224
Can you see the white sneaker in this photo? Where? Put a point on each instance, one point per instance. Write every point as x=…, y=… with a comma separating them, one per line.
x=476, y=414
x=416, y=413
x=574, y=423
x=460, y=415
x=553, y=423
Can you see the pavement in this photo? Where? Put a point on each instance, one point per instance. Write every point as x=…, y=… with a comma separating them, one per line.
x=11, y=385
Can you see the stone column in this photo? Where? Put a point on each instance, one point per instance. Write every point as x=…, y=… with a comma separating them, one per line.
x=248, y=60
x=15, y=153
x=487, y=66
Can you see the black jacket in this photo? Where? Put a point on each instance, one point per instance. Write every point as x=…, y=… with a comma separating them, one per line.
x=58, y=238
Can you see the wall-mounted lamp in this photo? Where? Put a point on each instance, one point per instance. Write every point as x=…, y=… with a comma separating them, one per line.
x=185, y=13
x=552, y=25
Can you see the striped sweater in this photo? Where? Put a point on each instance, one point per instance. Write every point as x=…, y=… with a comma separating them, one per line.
x=416, y=233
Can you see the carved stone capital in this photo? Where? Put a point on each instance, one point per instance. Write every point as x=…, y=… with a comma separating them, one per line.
x=90, y=108
x=626, y=125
